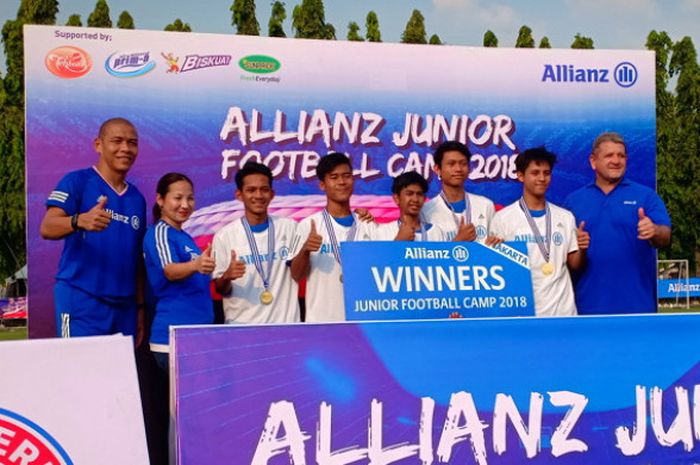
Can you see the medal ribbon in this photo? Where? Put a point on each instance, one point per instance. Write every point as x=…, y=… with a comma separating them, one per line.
x=544, y=246
x=257, y=258
x=455, y=216
x=331, y=234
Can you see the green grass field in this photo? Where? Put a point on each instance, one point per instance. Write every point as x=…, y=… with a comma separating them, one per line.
x=13, y=334
x=692, y=309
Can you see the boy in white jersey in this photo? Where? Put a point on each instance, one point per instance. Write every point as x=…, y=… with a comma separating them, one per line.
x=408, y=190
x=461, y=215
x=316, y=247
x=553, y=241
x=251, y=256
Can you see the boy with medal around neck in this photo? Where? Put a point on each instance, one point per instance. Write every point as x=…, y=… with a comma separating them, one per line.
x=316, y=247
x=408, y=191
x=553, y=240
x=461, y=215
x=251, y=256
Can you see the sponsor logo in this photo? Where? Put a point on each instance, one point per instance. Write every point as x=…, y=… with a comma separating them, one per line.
x=23, y=441
x=680, y=287
x=629, y=202
x=571, y=73
x=284, y=253
x=171, y=62
x=480, y=232
x=68, y=62
x=460, y=253
x=194, y=62
x=135, y=222
x=121, y=64
x=557, y=238
x=624, y=74
x=259, y=64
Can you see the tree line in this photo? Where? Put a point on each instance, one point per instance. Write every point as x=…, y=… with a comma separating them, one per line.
x=677, y=104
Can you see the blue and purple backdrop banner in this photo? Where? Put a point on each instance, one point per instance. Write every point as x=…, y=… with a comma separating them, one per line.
x=470, y=391
x=204, y=104
x=421, y=280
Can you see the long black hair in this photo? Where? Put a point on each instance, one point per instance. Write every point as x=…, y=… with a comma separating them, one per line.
x=164, y=186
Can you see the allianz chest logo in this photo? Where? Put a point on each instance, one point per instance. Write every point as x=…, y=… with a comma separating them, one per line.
x=625, y=74
x=281, y=254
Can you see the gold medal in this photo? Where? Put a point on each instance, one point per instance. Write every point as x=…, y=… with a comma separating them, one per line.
x=266, y=297
x=547, y=269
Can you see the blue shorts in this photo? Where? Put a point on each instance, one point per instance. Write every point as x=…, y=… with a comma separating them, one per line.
x=81, y=314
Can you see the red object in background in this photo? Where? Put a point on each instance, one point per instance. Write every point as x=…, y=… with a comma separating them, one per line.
x=14, y=308
x=68, y=62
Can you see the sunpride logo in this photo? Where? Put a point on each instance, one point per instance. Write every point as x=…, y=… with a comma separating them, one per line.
x=259, y=64
x=624, y=75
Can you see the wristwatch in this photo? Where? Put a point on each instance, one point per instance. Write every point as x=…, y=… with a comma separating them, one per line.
x=74, y=222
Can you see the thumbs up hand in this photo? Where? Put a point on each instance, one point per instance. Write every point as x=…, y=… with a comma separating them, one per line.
x=236, y=268
x=206, y=263
x=582, y=237
x=313, y=241
x=465, y=231
x=406, y=232
x=97, y=218
x=646, y=229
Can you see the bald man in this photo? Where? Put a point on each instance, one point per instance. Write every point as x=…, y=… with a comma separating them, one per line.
x=102, y=220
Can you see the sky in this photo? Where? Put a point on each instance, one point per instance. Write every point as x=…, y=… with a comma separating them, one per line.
x=616, y=24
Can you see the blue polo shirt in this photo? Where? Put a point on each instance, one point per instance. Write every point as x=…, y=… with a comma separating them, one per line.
x=102, y=264
x=620, y=273
x=183, y=302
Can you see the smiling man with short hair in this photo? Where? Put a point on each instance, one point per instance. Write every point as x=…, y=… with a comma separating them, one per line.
x=627, y=222
x=102, y=219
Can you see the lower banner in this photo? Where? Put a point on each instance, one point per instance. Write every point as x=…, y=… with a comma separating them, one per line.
x=421, y=280
x=579, y=390
x=70, y=401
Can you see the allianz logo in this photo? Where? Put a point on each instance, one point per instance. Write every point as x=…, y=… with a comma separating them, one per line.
x=625, y=74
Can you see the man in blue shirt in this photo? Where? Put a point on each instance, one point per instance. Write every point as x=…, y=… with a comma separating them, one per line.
x=102, y=220
x=627, y=222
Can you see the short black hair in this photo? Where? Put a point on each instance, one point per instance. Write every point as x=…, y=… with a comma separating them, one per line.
x=111, y=121
x=406, y=179
x=522, y=161
x=450, y=145
x=252, y=167
x=330, y=162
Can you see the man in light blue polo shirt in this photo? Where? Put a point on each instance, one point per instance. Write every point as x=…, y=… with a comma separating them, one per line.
x=627, y=222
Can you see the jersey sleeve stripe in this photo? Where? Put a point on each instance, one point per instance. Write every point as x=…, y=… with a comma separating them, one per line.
x=162, y=244
x=58, y=196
